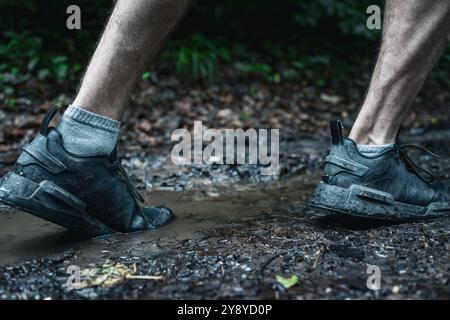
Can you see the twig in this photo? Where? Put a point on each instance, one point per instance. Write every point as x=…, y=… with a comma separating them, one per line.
x=318, y=254
x=144, y=277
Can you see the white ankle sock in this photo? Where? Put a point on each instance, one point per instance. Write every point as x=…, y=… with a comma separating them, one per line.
x=86, y=133
x=373, y=150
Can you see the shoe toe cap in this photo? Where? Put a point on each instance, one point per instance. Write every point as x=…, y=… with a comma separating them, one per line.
x=158, y=216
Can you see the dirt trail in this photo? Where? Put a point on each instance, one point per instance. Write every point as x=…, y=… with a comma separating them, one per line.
x=232, y=241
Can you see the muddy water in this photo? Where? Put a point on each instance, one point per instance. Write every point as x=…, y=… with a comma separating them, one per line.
x=23, y=236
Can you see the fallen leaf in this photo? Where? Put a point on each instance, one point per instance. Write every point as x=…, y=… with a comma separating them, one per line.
x=287, y=282
x=110, y=274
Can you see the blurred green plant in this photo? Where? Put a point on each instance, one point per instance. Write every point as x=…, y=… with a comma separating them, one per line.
x=23, y=58
x=286, y=40
x=197, y=57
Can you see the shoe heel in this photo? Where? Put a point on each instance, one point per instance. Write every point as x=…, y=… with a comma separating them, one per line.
x=50, y=202
x=329, y=197
x=356, y=200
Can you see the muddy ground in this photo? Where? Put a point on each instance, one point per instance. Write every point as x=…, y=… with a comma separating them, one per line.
x=236, y=231
x=233, y=240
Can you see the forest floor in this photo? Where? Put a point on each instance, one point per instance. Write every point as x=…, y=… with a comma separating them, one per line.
x=238, y=234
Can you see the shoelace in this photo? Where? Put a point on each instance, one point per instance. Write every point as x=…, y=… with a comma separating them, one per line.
x=127, y=181
x=422, y=173
x=133, y=190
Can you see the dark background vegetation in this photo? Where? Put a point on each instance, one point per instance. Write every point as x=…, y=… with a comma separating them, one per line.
x=324, y=42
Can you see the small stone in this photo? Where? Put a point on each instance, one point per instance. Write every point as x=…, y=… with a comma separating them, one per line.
x=224, y=113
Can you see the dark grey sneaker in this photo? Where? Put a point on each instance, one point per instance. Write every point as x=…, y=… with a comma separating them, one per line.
x=89, y=195
x=387, y=186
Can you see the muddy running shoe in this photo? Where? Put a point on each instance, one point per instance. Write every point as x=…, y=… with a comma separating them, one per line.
x=387, y=186
x=89, y=195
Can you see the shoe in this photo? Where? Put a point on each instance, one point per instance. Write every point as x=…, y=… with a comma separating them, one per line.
x=89, y=195
x=387, y=186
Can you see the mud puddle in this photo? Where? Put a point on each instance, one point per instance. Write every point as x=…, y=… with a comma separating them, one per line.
x=23, y=236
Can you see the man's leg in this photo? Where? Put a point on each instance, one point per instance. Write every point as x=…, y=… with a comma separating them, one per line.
x=70, y=174
x=133, y=36
x=376, y=178
x=415, y=32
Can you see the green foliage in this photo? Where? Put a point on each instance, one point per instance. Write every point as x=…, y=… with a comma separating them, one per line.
x=23, y=57
x=286, y=40
x=197, y=57
x=255, y=68
x=273, y=40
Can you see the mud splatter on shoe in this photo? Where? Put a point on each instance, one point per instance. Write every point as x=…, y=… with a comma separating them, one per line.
x=89, y=195
x=387, y=186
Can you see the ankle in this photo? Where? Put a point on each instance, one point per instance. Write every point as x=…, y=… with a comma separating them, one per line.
x=86, y=133
x=379, y=139
x=370, y=139
x=370, y=135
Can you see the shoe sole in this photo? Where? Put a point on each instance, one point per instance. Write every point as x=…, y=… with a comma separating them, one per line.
x=48, y=201
x=366, y=202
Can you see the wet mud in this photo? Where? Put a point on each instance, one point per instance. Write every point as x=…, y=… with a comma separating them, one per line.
x=232, y=241
x=24, y=236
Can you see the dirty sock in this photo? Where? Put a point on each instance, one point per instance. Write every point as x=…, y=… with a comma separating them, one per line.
x=86, y=133
x=373, y=150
